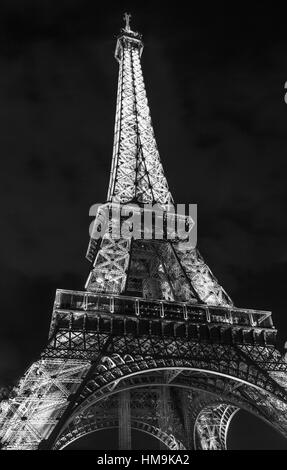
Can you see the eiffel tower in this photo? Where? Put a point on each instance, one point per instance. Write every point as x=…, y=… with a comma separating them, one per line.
x=153, y=343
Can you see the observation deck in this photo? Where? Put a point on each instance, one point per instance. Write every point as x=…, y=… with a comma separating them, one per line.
x=123, y=315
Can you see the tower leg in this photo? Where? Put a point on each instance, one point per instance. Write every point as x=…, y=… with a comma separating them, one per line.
x=211, y=426
x=124, y=421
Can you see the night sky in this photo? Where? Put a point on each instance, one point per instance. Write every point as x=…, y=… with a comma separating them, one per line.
x=215, y=82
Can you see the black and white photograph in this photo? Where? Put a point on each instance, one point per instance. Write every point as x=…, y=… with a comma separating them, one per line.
x=143, y=150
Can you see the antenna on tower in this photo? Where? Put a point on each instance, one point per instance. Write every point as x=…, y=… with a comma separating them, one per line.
x=127, y=18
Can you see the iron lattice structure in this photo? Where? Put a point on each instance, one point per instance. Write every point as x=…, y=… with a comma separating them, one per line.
x=154, y=343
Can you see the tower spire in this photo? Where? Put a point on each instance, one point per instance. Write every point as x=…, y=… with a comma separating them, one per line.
x=127, y=18
x=137, y=174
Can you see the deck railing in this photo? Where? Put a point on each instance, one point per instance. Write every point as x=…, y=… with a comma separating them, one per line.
x=146, y=308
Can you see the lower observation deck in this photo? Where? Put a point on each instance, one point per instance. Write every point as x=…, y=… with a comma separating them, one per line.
x=123, y=315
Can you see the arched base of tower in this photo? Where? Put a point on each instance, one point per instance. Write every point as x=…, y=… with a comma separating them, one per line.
x=189, y=395
x=182, y=409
